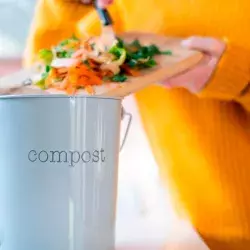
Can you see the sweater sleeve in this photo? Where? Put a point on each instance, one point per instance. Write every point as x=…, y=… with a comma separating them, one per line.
x=53, y=20
x=231, y=79
x=56, y=20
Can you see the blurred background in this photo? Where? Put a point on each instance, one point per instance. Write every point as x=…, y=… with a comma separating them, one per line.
x=145, y=215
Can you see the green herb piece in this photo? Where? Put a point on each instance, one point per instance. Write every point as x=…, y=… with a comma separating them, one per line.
x=119, y=53
x=119, y=78
x=141, y=57
x=132, y=63
x=137, y=51
x=41, y=83
x=46, y=56
x=47, y=68
x=149, y=64
x=142, y=65
x=86, y=62
x=141, y=53
x=74, y=38
x=136, y=44
x=62, y=52
x=65, y=53
x=120, y=43
x=116, y=51
x=167, y=52
x=64, y=43
x=153, y=50
x=45, y=75
x=67, y=41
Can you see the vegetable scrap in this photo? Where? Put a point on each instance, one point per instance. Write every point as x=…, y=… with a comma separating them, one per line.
x=75, y=64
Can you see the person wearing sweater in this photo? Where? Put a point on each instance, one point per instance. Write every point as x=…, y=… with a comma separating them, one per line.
x=198, y=124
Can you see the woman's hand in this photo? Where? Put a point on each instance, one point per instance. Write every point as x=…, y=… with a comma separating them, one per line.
x=101, y=3
x=195, y=79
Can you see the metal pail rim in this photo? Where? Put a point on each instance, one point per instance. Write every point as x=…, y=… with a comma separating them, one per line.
x=58, y=96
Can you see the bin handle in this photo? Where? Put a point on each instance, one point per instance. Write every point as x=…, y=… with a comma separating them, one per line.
x=130, y=117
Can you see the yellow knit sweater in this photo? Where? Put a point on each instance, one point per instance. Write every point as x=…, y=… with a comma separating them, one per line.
x=201, y=143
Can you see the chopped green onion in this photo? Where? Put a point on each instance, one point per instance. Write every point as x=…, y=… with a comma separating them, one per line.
x=46, y=56
x=132, y=63
x=47, y=68
x=41, y=83
x=119, y=78
x=136, y=44
x=120, y=43
x=149, y=64
x=167, y=52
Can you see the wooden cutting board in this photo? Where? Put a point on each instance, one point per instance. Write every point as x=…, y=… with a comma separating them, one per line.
x=168, y=66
